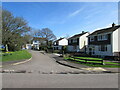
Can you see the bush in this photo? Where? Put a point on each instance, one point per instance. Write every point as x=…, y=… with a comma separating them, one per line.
x=66, y=55
x=56, y=51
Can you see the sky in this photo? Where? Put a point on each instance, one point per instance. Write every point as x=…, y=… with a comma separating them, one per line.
x=66, y=18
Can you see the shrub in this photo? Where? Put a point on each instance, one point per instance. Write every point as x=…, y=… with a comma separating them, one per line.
x=66, y=55
x=56, y=51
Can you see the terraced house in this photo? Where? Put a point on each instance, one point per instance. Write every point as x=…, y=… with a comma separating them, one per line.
x=78, y=42
x=105, y=42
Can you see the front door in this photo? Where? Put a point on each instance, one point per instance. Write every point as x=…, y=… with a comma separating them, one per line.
x=90, y=51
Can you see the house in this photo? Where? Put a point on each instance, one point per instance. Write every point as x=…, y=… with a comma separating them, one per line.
x=58, y=44
x=105, y=42
x=36, y=42
x=28, y=46
x=78, y=42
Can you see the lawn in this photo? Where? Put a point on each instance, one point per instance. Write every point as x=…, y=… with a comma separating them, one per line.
x=17, y=55
x=93, y=65
x=89, y=58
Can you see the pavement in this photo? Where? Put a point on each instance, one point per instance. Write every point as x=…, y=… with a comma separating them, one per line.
x=71, y=64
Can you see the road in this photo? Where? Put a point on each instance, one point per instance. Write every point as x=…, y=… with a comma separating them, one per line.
x=43, y=63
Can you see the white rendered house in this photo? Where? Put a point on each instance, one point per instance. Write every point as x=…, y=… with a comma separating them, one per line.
x=78, y=42
x=58, y=44
x=36, y=42
x=105, y=42
x=28, y=46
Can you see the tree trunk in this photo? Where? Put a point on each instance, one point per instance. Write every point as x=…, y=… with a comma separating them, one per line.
x=6, y=48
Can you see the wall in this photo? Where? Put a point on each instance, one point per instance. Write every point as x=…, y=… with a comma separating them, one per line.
x=105, y=53
x=116, y=41
x=35, y=42
x=63, y=42
x=83, y=42
x=28, y=46
x=72, y=49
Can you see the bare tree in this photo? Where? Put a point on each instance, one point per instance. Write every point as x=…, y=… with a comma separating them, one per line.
x=48, y=34
x=45, y=33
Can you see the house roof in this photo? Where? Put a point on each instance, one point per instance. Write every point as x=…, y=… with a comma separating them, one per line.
x=78, y=35
x=105, y=30
x=59, y=39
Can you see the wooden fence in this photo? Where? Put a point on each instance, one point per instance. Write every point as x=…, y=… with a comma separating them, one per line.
x=100, y=62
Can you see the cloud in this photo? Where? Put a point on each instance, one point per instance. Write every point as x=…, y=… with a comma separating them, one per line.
x=75, y=12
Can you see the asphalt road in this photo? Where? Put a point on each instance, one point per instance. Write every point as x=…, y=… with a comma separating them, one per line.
x=40, y=63
x=44, y=63
x=60, y=81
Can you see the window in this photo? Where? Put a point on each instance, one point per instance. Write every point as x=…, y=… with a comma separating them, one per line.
x=102, y=37
x=102, y=48
x=75, y=47
x=92, y=38
x=74, y=40
x=35, y=41
x=69, y=41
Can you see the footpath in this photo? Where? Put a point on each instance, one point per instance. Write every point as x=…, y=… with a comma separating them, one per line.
x=71, y=64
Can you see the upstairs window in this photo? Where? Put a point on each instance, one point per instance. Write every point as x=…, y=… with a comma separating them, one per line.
x=35, y=41
x=92, y=38
x=102, y=37
x=69, y=41
x=74, y=40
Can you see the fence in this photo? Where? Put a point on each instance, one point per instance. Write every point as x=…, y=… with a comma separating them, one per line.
x=89, y=61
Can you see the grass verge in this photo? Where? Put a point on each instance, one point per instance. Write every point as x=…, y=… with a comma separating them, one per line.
x=93, y=65
x=17, y=55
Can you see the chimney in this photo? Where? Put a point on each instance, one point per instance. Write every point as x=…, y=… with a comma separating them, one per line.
x=113, y=24
x=83, y=32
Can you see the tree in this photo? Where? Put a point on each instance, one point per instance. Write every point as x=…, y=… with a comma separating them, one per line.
x=0, y=25
x=13, y=30
x=45, y=33
x=48, y=34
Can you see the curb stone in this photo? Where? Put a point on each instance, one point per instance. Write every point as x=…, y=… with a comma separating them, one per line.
x=27, y=60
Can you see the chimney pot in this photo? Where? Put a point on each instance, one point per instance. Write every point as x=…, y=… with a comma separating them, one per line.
x=82, y=31
x=113, y=24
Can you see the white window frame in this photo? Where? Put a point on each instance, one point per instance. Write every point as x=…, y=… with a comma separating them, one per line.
x=102, y=37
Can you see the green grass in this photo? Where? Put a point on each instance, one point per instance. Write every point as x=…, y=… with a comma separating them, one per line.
x=111, y=63
x=83, y=60
x=17, y=55
x=89, y=58
x=94, y=65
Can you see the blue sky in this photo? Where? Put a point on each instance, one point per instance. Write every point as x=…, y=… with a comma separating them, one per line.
x=66, y=18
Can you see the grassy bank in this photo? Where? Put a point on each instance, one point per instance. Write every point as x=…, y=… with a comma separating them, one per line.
x=17, y=55
x=97, y=60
